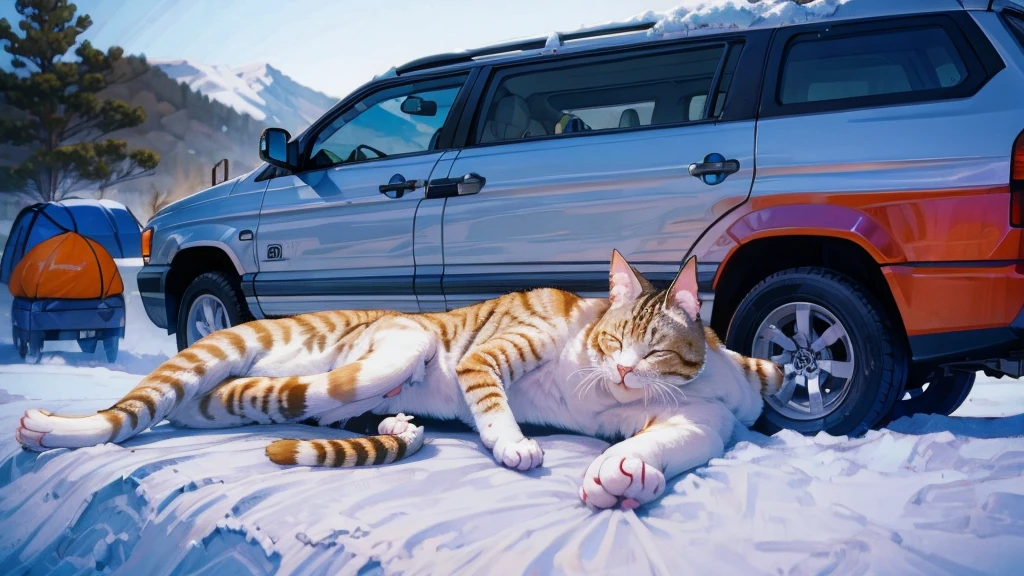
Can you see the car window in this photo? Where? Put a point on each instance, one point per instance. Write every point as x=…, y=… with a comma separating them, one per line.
x=395, y=121
x=890, y=62
x=1015, y=20
x=621, y=93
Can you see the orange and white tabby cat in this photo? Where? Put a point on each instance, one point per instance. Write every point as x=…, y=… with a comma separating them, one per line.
x=637, y=368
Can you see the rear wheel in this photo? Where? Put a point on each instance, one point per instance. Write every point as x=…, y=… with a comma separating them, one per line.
x=212, y=302
x=845, y=366
x=110, y=346
x=88, y=345
x=940, y=395
x=33, y=348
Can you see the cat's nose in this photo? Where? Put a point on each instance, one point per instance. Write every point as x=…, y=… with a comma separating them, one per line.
x=623, y=370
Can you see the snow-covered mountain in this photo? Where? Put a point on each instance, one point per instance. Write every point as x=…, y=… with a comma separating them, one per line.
x=259, y=90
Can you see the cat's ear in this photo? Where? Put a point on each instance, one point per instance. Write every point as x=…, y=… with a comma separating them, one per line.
x=624, y=285
x=682, y=294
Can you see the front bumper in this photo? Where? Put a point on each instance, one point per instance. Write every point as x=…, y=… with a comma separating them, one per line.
x=152, y=282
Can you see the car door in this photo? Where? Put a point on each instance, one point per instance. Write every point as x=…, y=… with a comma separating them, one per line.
x=580, y=155
x=339, y=233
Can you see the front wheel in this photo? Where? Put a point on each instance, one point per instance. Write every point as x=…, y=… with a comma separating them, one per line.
x=845, y=367
x=211, y=302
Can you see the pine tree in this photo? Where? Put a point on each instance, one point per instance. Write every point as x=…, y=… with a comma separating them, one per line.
x=59, y=116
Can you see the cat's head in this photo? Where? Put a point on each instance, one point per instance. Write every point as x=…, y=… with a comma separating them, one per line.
x=649, y=342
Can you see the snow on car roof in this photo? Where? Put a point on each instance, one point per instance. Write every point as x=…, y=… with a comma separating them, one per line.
x=711, y=15
x=690, y=18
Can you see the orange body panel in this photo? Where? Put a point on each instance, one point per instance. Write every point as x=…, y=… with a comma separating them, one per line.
x=900, y=229
x=66, y=266
x=934, y=300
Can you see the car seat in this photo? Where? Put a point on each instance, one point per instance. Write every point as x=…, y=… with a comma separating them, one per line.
x=629, y=118
x=511, y=120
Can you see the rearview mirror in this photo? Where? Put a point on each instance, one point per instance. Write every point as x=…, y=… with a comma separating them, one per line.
x=274, y=148
x=416, y=106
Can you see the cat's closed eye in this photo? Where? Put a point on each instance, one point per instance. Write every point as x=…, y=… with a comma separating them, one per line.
x=609, y=342
x=656, y=355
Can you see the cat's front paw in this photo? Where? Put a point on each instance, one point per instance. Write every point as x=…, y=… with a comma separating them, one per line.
x=623, y=481
x=524, y=454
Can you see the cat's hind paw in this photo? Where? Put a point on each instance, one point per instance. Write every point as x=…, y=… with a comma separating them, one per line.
x=626, y=482
x=395, y=424
x=524, y=454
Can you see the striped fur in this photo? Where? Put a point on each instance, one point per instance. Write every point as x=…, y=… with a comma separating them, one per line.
x=630, y=366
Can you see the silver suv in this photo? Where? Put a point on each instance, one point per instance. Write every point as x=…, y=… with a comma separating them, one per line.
x=852, y=187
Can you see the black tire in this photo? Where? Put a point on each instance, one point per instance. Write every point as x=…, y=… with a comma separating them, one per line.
x=943, y=395
x=225, y=288
x=88, y=345
x=110, y=346
x=34, y=349
x=880, y=367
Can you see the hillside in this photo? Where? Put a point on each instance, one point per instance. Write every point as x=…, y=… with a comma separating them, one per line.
x=259, y=90
x=192, y=131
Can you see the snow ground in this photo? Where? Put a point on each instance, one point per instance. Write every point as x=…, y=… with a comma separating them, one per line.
x=930, y=495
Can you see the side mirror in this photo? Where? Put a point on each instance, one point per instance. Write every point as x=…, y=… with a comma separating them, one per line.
x=416, y=106
x=274, y=148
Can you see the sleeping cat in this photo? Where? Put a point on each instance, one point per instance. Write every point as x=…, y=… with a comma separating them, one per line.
x=637, y=368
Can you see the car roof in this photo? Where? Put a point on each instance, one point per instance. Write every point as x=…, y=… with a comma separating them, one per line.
x=705, y=20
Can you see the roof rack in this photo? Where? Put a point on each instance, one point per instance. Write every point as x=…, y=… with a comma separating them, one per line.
x=450, y=58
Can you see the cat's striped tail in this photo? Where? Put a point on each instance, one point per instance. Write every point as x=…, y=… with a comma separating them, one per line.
x=398, y=438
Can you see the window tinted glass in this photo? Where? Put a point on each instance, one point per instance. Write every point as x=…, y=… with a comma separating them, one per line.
x=1016, y=22
x=869, y=65
x=401, y=120
x=625, y=93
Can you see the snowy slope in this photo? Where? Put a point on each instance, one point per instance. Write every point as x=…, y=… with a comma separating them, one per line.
x=938, y=496
x=259, y=90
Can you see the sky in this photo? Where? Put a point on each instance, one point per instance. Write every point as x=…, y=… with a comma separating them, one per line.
x=331, y=45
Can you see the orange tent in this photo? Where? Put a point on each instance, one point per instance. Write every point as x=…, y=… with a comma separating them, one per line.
x=66, y=266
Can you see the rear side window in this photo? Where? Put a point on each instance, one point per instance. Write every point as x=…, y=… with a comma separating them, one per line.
x=873, y=64
x=1015, y=20
x=589, y=95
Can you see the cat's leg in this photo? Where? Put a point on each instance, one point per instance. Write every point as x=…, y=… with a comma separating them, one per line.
x=634, y=471
x=480, y=377
x=394, y=355
x=187, y=375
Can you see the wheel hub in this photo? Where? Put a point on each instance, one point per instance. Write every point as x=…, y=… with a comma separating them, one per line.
x=816, y=355
x=805, y=361
x=206, y=316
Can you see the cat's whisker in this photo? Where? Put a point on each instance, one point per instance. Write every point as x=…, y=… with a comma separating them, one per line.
x=671, y=392
x=584, y=370
x=587, y=383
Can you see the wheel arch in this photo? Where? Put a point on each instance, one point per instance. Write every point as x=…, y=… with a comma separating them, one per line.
x=188, y=263
x=754, y=260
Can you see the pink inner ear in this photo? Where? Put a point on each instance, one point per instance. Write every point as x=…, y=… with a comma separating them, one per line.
x=623, y=286
x=684, y=290
x=688, y=302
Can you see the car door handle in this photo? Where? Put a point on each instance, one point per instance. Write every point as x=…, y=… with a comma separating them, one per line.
x=399, y=188
x=465, y=185
x=714, y=169
x=725, y=167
